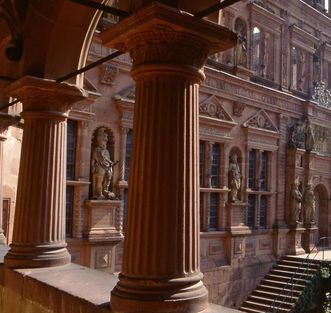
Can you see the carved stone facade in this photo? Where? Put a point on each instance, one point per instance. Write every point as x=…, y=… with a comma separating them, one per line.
x=259, y=101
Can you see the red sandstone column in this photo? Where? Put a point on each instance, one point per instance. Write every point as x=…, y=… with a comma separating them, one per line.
x=161, y=262
x=39, y=225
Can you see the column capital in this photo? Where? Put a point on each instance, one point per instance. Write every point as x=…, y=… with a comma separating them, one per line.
x=161, y=33
x=45, y=95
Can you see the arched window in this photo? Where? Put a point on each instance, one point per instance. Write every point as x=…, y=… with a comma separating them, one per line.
x=256, y=50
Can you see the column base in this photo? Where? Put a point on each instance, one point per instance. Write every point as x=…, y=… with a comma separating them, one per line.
x=37, y=256
x=181, y=295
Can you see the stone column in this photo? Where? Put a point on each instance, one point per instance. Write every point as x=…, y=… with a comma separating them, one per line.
x=6, y=120
x=161, y=266
x=39, y=225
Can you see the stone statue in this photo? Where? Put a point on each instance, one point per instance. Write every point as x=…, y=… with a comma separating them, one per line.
x=296, y=200
x=241, y=48
x=301, y=135
x=234, y=178
x=309, y=136
x=101, y=167
x=309, y=204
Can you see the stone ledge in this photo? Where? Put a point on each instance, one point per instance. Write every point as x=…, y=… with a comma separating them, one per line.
x=64, y=289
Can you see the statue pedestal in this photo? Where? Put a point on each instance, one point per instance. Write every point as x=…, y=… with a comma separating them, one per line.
x=243, y=72
x=295, y=239
x=236, y=218
x=104, y=220
x=309, y=237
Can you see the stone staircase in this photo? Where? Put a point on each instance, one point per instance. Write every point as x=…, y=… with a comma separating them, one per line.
x=277, y=292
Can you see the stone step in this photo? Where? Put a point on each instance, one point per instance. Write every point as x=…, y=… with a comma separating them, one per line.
x=285, y=279
x=297, y=264
x=299, y=260
x=280, y=284
x=290, y=274
x=262, y=307
x=286, y=296
x=269, y=302
x=278, y=290
x=250, y=310
x=294, y=269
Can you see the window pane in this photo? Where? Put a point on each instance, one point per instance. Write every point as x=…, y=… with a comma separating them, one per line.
x=201, y=209
x=202, y=162
x=213, y=210
x=69, y=210
x=251, y=169
x=124, y=202
x=294, y=64
x=262, y=211
x=128, y=148
x=215, y=165
x=264, y=171
x=250, y=211
x=71, y=143
x=256, y=50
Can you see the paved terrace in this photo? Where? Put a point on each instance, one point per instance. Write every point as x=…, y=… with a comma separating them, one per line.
x=318, y=255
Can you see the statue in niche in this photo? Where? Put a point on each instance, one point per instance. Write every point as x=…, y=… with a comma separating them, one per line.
x=309, y=136
x=301, y=70
x=309, y=204
x=301, y=135
x=241, y=48
x=234, y=178
x=102, y=167
x=296, y=200
x=316, y=67
x=265, y=59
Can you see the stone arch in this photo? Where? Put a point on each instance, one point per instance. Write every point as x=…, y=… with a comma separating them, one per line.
x=322, y=214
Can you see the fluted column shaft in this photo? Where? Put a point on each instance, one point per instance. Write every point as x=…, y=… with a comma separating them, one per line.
x=161, y=270
x=163, y=194
x=39, y=224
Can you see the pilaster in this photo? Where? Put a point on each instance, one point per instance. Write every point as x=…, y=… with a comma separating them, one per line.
x=39, y=225
x=161, y=266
